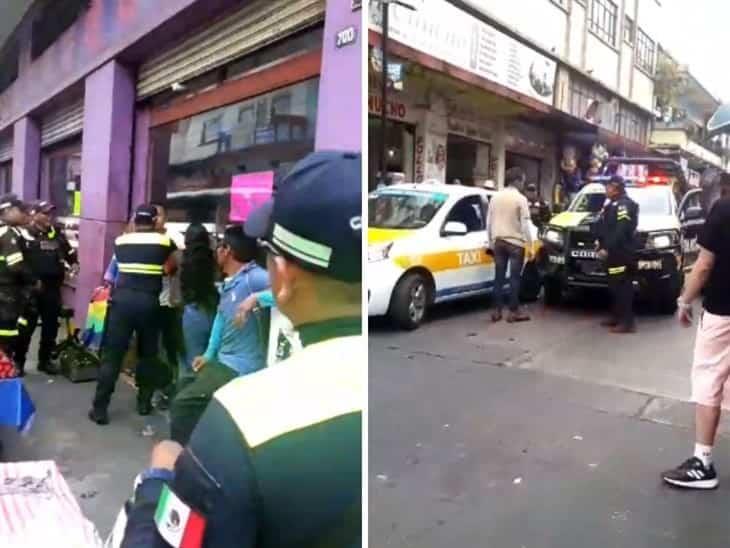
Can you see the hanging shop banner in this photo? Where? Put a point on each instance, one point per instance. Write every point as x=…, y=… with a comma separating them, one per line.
x=248, y=191
x=442, y=30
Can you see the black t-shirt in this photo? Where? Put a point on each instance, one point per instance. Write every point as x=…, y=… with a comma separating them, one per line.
x=715, y=237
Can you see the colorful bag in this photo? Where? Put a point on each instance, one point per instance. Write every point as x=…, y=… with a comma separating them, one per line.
x=95, y=318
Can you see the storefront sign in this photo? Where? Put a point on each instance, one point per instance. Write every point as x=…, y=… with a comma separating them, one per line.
x=420, y=160
x=442, y=30
x=248, y=191
x=395, y=110
x=346, y=37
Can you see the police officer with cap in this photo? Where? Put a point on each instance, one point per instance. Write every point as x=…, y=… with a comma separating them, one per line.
x=143, y=257
x=617, y=247
x=47, y=252
x=16, y=280
x=275, y=461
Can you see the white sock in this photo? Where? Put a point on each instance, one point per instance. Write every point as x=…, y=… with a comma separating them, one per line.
x=704, y=453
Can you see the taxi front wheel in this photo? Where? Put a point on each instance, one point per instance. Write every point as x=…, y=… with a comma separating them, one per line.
x=410, y=301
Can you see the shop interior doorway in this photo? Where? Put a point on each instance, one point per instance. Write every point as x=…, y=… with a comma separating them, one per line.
x=531, y=166
x=399, y=147
x=467, y=160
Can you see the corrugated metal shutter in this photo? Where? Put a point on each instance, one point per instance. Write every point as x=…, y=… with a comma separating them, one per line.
x=6, y=149
x=250, y=28
x=62, y=124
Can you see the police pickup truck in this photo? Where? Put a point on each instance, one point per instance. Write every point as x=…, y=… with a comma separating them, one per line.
x=670, y=218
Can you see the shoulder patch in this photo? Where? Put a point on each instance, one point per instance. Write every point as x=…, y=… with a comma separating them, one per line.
x=177, y=523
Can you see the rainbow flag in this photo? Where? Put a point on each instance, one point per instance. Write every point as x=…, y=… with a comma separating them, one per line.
x=95, y=318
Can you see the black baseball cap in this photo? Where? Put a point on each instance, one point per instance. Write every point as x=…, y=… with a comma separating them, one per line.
x=617, y=180
x=42, y=206
x=11, y=200
x=315, y=217
x=531, y=187
x=145, y=214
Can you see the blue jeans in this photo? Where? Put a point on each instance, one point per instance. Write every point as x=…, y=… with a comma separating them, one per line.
x=507, y=254
x=197, y=324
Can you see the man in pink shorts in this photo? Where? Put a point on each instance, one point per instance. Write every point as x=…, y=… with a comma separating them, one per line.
x=711, y=366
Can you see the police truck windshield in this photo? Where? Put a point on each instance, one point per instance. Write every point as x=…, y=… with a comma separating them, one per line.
x=403, y=209
x=652, y=200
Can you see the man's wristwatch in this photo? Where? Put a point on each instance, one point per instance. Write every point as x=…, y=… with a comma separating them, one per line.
x=683, y=305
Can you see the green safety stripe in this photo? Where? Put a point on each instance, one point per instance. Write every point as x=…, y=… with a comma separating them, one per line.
x=147, y=267
x=149, y=270
x=22, y=321
x=151, y=238
x=307, y=250
x=9, y=333
x=617, y=270
x=14, y=259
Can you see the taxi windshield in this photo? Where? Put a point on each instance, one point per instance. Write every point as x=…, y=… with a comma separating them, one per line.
x=652, y=200
x=406, y=209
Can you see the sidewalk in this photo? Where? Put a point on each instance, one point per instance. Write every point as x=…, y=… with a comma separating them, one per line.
x=464, y=454
x=99, y=463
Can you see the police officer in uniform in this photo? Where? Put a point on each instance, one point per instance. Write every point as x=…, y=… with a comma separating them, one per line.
x=617, y=247
x=16, y=279
x=539, y=209
x=275, y=460
x=47, y=252
x=143, y=257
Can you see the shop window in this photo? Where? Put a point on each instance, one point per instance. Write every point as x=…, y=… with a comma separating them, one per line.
x=467, y=160
x=63, y=165
x=629, y=30
x=645, y=52
x=211, y=131
x=6, y=177
x=603, y=20
x=193, y=161
x=469, y=211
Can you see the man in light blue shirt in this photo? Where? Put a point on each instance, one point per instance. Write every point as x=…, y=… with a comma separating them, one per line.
x=233, y=349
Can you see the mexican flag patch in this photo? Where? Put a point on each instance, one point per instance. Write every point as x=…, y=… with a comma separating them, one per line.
x=179, y=525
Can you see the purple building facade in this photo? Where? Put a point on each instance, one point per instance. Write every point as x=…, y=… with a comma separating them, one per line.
x=172, y=102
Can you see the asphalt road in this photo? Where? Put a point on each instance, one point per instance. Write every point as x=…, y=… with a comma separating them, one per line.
x=546, y=434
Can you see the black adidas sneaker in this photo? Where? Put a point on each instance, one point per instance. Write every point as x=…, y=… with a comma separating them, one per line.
x=692, y=474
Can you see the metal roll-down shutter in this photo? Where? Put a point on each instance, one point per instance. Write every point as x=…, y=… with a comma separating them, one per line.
x=62, y=124
x=258, y=24
x=6, y=149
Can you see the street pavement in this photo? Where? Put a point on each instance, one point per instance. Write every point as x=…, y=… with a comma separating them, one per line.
x=551, y=433
x=99, y=463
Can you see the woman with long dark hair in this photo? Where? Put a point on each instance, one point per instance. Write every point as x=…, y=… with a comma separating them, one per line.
x=198, y=274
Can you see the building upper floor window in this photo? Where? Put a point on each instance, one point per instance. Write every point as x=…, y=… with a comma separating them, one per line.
x=52, y=20
x=603, y=20
x=645, y=51
x=629, y=30
x=9, y=64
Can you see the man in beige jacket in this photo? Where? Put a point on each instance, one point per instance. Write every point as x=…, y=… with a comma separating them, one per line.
x=509, y=239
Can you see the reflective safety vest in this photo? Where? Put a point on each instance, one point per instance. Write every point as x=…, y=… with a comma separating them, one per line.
x=141, y=258
x=11, y=257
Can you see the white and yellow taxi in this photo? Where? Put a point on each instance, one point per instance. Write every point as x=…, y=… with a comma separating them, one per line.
x=427, y=244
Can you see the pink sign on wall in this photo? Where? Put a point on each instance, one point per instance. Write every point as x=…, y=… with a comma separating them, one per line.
x=248, y=191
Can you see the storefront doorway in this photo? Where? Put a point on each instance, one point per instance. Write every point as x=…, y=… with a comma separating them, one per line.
x=532, y=167
x=467, y=160
x=399, y=150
